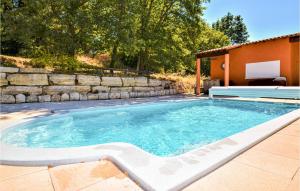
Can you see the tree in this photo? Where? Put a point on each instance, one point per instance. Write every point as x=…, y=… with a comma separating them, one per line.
x=167, y=32
x=54, y=27
x=210, y=39
x=241, y=30
x=158, y=35
x=115, y=28
x=234, y=27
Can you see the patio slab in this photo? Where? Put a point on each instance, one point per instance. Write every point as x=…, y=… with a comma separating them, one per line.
x=236, y=177
x=30, y=182
x=276, y=164
x=271, y=165
x=8, y=172
x=98, y=175
x=86, y=175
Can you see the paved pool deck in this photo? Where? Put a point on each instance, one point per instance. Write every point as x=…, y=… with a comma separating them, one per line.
x=273, y=164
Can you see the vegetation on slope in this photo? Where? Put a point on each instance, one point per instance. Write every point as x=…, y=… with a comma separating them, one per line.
x=157, y=35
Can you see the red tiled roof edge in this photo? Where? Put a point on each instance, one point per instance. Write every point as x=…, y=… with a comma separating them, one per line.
x=226, y=48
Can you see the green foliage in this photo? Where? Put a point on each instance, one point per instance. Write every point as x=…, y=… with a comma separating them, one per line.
x=233, y=27
x=205, y=67
x=55, y=27
x=157, y=35
x=5, y=63
x=61, y=63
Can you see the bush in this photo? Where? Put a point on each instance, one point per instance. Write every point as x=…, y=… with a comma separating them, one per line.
x=7, y=61
x=59, y=63
x=4, y=63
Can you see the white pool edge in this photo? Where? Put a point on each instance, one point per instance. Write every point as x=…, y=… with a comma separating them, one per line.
x=150, y=171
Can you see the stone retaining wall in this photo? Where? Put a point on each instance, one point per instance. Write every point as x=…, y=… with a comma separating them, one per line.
x=19, y=85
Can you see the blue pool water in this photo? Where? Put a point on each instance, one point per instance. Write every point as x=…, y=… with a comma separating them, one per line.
x=164, y=128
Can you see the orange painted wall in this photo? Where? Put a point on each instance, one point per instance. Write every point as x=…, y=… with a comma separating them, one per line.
x=216, y=72
x=280, y=49
x=295, y=52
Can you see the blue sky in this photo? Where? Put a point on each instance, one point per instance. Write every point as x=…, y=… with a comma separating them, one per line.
x=264, y=18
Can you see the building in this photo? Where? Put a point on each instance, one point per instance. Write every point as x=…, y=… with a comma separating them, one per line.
x=252, y=62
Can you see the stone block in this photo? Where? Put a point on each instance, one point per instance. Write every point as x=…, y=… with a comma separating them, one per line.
x=143, y=89
x=88, y=80
x=167, y=92
x=74, y=96
x=120, y=89
x=124, y=95
x=158, y=88
x=92, y=96
x=51, y=90
x=114, y=95
x=2, y=75
x=7, y=99
x=3, y=80
x=173, y=91
x=146, y=94
x=83, y=97
x=100, y=89
x=44, y=98
x=140, y=94
x=62, y=79
x=103, y=95
x=65, y=97
x=27, y=90
x=128, y=81
x=133, y=94
x=28, y=79
x=154, y=82
x=111, y=81
x=141, y=81
x=20, y=98
x=165, y=83
x=9, y=69
x=34, y=70
x=32, y=98
x=152, y=93
x=55, y=98
x=158, y=93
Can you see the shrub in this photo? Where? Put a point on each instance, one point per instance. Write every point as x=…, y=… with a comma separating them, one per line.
x=7, y=62
x=58, y=63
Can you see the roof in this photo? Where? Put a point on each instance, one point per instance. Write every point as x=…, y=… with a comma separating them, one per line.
x=225, y=49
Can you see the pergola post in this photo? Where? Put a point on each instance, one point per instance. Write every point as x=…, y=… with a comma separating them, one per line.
x=226, y=76
x=198, y=75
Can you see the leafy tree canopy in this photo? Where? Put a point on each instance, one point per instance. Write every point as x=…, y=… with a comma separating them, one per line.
x=233, y=27
x=159, y=35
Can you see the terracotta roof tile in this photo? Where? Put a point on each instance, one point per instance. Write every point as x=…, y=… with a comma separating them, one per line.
x=226, y=48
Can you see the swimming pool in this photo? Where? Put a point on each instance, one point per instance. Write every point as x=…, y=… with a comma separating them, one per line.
x=163, y=129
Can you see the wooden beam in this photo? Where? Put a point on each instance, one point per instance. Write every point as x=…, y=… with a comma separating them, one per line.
x=295, y=39
x=198, y=76
x=212, y=53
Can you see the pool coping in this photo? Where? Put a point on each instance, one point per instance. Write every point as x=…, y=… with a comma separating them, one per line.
x=150, y=171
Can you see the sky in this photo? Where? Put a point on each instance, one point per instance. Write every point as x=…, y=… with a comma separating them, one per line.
x=263, y=18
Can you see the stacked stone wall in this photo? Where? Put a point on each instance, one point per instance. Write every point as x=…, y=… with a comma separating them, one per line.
x=20, y=85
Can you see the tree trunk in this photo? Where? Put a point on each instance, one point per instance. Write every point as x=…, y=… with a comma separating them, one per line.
x=114, y=56
x=138, y=63
x=141, y=61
